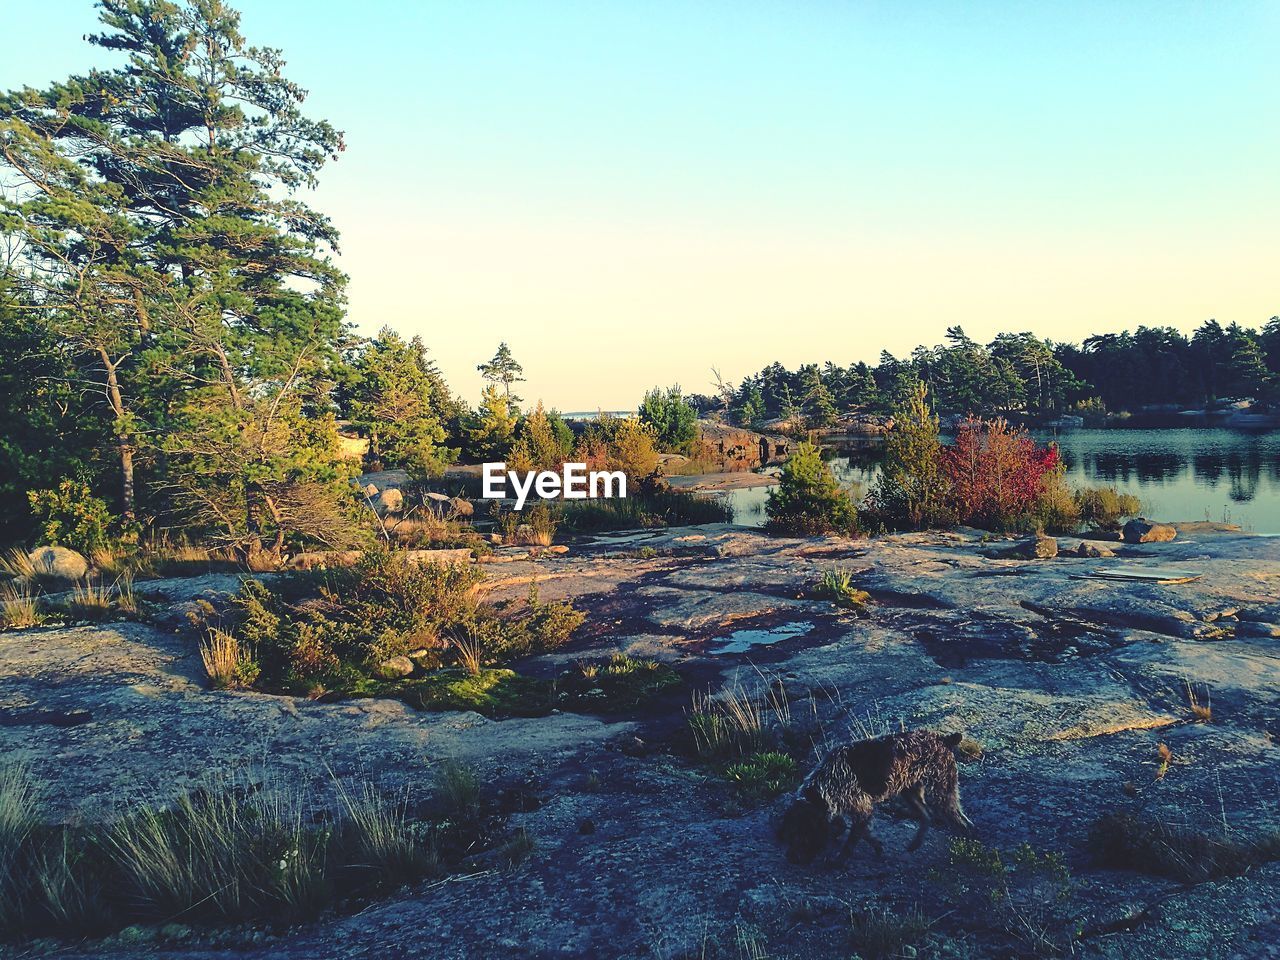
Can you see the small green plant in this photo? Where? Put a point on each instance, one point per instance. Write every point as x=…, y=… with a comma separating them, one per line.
x=459, y=790
x=619, y=684
x=762, y=776
x=836, y=585
x=1027, y=889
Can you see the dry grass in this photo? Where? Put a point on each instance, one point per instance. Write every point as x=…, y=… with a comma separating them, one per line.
x=90, y=601
x=17, y=564
x=228, y=664
x=19, y=607
x=1128, y=841
x=878, y=933
x=1200, y=704
x=738, y=721
x=470, y=647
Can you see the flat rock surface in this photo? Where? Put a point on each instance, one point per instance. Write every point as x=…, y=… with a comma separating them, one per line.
x=1069, y=684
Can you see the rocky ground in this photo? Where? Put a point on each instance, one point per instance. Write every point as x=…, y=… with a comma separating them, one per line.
x=1070, y=684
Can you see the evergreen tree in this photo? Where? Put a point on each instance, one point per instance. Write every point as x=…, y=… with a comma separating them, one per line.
x=492, y=430
x=808, y=499
x=673, y=420
x=388, y=391
x=165, y=246
x=911, y=490
x=544, y=442
x=503, y=369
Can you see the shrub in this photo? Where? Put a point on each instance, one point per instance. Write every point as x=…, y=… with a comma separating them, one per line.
x=534, y=526
x=384, y=606
x=619, y=443
x=71, y=516
x=1056, y=509
x=911, y=491
x=995, y=473
x=808, y=499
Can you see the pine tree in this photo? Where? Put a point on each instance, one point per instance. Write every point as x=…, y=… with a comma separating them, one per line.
x=503, y=369
x=387, y=391
x=911, y=490
x=808, y=499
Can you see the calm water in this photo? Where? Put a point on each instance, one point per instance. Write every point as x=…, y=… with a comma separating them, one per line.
x=1180, y=474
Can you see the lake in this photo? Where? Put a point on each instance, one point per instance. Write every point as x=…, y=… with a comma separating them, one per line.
x=1180, y=474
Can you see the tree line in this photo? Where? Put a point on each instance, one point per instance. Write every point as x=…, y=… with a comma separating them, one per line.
x=1020, y=374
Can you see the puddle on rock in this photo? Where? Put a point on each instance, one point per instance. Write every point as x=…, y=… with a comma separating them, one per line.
x=740, y=641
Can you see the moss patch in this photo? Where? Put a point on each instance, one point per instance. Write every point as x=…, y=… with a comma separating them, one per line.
x=493, y=692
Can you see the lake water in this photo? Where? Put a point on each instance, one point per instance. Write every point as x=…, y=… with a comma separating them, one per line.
x=1180, y=474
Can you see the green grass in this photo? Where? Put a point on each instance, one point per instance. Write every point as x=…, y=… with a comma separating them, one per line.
x=616, y=685
x=229, y=852
x=836, y=585
x=762, y=776
x=662, y=508
x=494, y=692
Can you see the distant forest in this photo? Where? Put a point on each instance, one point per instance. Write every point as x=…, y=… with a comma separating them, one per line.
x=1021, y=374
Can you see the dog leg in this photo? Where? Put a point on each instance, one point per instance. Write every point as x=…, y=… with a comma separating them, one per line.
x=915, y=800
x=954, y=814
x=860, y=827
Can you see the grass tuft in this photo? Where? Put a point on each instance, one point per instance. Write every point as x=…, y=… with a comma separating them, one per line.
x=19, y=607
x=228, y=663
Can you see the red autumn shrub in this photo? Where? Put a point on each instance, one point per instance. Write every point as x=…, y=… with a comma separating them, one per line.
x=995, y=472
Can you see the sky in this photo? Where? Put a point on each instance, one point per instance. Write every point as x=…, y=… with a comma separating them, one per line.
x=631, y=194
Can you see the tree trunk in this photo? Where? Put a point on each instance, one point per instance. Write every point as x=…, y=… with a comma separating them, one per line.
x=124, y=442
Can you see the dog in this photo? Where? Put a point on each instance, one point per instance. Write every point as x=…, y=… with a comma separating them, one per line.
x=919, y=766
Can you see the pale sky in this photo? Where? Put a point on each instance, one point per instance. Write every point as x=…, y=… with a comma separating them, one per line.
x=632, y=193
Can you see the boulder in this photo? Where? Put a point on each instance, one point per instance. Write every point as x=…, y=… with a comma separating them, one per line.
x=463, y=508
x=388, y=501
x=1032, y=548
x=395, y=668
x=443, y=555
x=1091, y=548
x=60, y=562
x=1142, y=530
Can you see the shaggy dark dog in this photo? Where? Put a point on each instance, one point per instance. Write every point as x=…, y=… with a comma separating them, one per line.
x=917, y=766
